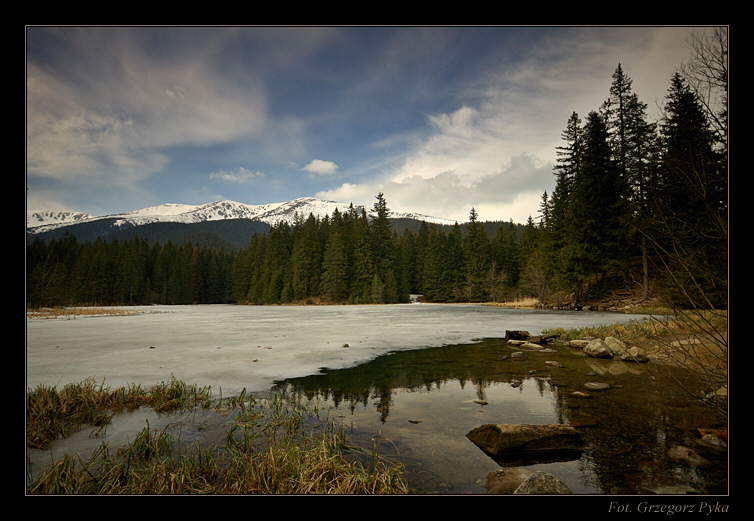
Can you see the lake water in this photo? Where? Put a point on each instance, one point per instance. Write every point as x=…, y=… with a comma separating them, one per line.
x=414, y=377
x=251, y=347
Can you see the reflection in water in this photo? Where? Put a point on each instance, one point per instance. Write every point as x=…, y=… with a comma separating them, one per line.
x=420, y=404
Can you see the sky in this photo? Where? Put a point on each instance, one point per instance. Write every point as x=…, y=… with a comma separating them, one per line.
x=440, y=119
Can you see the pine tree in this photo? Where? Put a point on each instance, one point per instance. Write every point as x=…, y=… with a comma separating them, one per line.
x=692, y=207
x=556, y=236
x=334, y=283
x=362, y=266
x=634, y=144
x=306, y=260
x=382, y=237
x=505, y=251
x=476, y=249
x=598, y=209
x=434, y=265
x=276, y=269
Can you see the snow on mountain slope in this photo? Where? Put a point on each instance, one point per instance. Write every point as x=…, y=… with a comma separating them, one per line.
x=36, y=219
x=273, y=213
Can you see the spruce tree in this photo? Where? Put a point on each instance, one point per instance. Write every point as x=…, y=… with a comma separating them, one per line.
x=692, y=202
x=362, y=265
x=434, y=265
x=382, y=238
x=598, y=209
x=556, y=236
x=634, y=144
x=476, y=248
x=334, y=283
x=306, y=259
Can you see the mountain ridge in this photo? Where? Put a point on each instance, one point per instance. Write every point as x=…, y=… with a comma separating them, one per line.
x=272, y=213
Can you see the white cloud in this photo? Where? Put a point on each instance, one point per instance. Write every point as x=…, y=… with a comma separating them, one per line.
x=511, y=192
x=112, y=114
x=495, y=151
x=319, y=167
x=108, y=108
x=243, y=175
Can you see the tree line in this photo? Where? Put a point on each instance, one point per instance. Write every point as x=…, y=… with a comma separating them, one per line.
x=634, y=196
x=636, y=203
x=349, y=256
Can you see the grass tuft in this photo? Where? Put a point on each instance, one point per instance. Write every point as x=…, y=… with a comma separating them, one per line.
x=270, y=447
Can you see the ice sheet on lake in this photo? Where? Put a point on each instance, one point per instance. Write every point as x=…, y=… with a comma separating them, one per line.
x=236, y=347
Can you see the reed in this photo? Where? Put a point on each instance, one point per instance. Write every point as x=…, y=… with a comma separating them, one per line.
x=51, y=414
x=270, y=447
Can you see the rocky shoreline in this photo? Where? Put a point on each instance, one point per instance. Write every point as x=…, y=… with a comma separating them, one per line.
x=510, y=445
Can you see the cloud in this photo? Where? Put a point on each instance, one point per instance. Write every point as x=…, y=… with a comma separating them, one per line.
x=118, y=108
x=243, y=175
x=319, y=167
x=512, y=191
x=426, y=115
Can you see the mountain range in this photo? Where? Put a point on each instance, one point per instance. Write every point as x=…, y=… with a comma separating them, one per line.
x=232, y=221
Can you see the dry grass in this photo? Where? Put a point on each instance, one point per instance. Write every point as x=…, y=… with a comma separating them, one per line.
x=696, y=341
x=523, y=303
x=74, y=312
x=662, y=334
x=269, y=448
x=53, y=413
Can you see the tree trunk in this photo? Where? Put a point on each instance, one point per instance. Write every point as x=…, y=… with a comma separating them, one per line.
x=521, y=439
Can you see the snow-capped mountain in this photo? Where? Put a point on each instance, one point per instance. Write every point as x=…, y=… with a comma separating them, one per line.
x=273, y=213
x=54, y=219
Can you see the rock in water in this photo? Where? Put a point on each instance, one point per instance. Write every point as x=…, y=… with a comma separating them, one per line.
x=596, y=386
x=518, y=439
x=634, y=354
x=597, y=348
x=616, y=347
x=506, y=481
x=542, y=483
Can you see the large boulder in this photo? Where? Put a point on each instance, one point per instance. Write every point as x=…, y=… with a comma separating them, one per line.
x=616, y=347
x=634, y=354
x=597, y=348
x=579, y=343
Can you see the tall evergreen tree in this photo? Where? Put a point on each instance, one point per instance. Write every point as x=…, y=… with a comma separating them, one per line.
x=362, y=265
x=634, y=144
x=692, y=201
x=556, y=236
x=382, y=238
x=306, y=260
x=434, y=282
x=476, y=248
x=598, y=209
x=334, y=283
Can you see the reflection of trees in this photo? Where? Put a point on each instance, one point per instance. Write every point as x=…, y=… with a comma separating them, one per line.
x=628, y=429
x=406, y=371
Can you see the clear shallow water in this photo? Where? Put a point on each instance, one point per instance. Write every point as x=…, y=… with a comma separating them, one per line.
x=421, y=404
x=411, y=378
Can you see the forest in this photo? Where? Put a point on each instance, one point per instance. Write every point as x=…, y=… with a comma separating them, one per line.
x=636, y=204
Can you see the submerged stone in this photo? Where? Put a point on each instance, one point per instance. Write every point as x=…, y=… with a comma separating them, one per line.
x=542, y=483
x=596, y=386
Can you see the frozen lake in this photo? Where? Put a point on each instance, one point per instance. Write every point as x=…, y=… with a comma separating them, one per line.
x=422, y=399
x=232, y=348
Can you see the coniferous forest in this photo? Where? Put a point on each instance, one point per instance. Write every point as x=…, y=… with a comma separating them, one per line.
x=637, y=205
